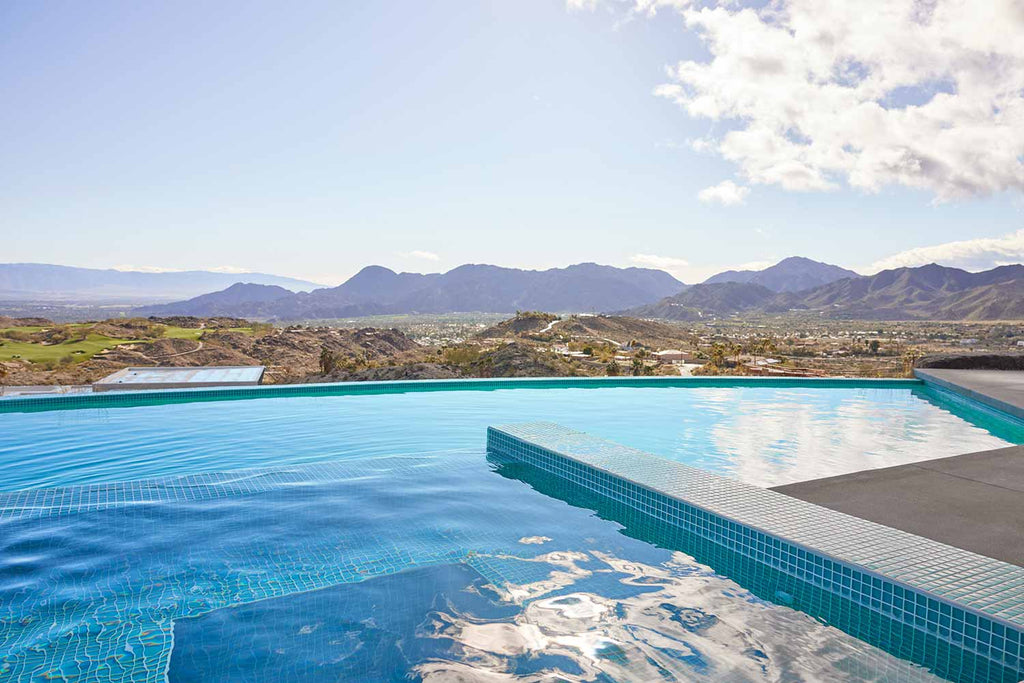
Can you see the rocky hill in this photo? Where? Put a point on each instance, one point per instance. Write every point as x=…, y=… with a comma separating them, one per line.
x=527, y=323
x=240, y=299
x=707, y=300
x=546, y=327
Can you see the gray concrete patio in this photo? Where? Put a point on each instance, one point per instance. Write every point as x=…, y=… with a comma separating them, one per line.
x=973, y=501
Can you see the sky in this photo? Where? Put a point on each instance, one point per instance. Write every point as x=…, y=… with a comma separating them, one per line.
x=311, y=139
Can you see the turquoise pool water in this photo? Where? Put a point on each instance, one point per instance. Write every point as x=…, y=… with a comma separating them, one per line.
x=763, y=435
x=370, y=538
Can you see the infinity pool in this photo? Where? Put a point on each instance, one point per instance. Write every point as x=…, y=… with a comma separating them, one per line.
x=763, y=435
x=369, y=538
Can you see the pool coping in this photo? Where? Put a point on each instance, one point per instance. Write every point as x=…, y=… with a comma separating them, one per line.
x=969, y=600
x=157, y=396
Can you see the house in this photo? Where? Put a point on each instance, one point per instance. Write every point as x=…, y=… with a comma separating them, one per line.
x=672, y=355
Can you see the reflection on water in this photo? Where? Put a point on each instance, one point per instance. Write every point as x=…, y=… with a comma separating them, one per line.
x=797, y=436
x=442, y=567
x=593, y=617
x=677, y=621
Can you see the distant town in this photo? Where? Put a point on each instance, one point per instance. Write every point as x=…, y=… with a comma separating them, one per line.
x=37, y=352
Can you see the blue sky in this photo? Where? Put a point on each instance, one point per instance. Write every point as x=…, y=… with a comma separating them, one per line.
x=313, y=139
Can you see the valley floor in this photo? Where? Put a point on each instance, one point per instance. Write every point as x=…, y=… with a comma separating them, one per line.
x=35, y=351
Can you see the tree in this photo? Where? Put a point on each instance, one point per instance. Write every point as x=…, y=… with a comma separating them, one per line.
x=612, y=368
x=735, y=350
x=718, y=354
x=910, y=358
x=328, y=360
x=873, y=345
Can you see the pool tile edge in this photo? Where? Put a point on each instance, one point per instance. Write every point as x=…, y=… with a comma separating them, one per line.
x=902, y=576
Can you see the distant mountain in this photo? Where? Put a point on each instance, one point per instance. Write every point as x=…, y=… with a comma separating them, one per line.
x=929, y=292
x=470, y=288
x=707, y=300
x=793, y=274
x=43, y=282
x=240, y=299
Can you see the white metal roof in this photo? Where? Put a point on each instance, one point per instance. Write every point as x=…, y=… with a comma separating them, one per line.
x=175, y=378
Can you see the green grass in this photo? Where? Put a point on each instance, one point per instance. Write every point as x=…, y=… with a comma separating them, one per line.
x=42, y=353
x=85, y=349
x=193, y=333
x=182, y=333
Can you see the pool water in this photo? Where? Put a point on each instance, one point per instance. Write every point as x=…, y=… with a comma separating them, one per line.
x=763, y=435
x=370, y=538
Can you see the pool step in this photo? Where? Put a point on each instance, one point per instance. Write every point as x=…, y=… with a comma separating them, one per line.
x=970, y=602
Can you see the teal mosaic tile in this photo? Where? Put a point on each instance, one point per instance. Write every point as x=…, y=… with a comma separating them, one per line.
x=956, y=393
x=964, y=599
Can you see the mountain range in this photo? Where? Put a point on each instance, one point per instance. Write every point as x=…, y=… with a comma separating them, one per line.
x=45, y=282
x=795, y=284
x=793, y=274
x=930, y=292
x=376, y=290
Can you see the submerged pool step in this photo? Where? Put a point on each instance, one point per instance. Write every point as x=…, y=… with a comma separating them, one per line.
x=972, y=602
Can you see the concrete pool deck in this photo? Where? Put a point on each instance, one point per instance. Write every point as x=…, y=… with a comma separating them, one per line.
x=973, y=501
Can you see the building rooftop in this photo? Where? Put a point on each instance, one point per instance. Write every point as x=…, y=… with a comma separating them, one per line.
x=181, y=378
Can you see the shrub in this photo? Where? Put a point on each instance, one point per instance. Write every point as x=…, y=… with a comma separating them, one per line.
x=461, y=355
x=329, y=360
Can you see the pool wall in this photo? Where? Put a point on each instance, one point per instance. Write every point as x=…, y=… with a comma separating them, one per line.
x=958, y=383
x=971, y=602
x=165, y=396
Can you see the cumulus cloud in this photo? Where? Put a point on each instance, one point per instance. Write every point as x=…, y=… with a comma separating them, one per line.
x=421, y=255
x=815, y=94
x=976, y=254
x=726, y=193
x=581, y=4
x=651, y=7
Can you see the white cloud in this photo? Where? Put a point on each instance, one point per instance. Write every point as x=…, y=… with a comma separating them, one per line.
x=726, y=193
x=651, y=7
x=421, y=255
x=816, y=93
x=231, y=269
x=579, y=5
x=755, y=265
x=976, y=254
x=668, y=263
x=127, y=268
x=682, y=270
